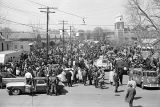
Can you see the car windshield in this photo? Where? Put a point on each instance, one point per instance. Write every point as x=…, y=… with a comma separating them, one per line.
x=151, y=74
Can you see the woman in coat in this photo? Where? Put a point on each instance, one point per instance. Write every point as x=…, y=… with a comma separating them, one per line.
x=79, y=75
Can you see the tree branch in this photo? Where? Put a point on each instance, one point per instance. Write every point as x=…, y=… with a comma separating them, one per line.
x=146, y=15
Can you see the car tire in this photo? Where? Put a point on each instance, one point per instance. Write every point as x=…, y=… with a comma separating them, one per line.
x=16, y=91
x=142, y=85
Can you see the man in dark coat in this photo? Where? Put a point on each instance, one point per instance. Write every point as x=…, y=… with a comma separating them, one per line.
x=68, y=76
x=84, y=75
x=48, y=85
x=131, y=92
x=90, y=75
x=116, y=81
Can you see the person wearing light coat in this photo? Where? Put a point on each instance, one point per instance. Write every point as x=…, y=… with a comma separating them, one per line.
x=111, y=74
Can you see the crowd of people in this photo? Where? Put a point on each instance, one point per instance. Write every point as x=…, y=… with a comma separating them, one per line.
x=79, y=57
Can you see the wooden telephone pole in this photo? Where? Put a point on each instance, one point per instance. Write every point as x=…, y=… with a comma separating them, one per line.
x=47, y=36
x=63, y=32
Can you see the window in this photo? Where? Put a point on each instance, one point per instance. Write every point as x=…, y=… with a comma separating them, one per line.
x=2, y=47
x=15, y=46
x=7, y=47
x=40, y=82
x=152, y=74
x=21, y=46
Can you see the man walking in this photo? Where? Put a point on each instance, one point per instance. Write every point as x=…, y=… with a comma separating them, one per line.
x=131, y=92
x=116, y=81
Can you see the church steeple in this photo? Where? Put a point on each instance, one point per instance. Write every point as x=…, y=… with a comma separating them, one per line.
x=119, y=28
x=119, y=22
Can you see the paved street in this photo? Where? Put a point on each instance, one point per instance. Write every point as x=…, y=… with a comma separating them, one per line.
x=83, y=96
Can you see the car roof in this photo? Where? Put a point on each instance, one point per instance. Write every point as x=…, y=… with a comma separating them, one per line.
x=149, y=71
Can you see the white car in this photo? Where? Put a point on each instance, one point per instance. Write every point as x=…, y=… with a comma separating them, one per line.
x=104, y=63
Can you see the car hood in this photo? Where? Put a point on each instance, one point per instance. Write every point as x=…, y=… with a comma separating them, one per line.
x=99, y=63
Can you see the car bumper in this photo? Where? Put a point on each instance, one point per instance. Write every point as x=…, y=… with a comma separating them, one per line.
x=152, y=85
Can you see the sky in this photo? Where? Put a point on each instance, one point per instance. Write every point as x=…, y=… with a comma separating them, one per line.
x=96, y=13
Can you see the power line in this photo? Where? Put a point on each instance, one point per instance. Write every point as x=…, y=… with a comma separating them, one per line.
x=70, y=13
x=57, y=9
x=85, y=24
x=16, y=9
x=21, y=23
x=37, y=3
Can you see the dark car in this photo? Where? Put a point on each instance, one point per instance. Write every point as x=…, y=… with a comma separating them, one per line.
x=16, y=88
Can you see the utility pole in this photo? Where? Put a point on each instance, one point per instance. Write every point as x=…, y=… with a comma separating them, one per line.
x=71, y=45
x=47, y=36
x=63, y=31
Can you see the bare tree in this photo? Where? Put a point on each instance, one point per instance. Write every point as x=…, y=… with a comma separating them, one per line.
x=98, y=33
x=144, y=13
x=6, y=32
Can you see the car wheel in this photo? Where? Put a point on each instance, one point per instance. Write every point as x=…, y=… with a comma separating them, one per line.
x=142, y=85
x=10, y=92
x=16, y=91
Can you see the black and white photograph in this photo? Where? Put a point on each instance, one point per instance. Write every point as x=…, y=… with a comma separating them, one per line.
x=79, y=53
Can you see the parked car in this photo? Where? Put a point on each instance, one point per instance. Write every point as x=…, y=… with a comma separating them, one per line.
x=8, y=78
x=16, y=88
x=104, y=63
x=145, y=78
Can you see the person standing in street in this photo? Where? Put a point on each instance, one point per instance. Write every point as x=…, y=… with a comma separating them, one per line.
x=131, y=92
x=111, y=75
x=69, y=80
x=131, y=82
x=90, y=75
x=116, y=81
x=48, y=84
x=28, y=77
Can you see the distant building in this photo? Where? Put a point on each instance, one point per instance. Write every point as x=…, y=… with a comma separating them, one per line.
x=21, y=40
x=5, y=44
x=20, y=45
x=119, y=29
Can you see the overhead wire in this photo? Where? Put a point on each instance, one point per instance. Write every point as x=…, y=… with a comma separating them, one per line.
x=26, y=25
x=21, y=23
x=6, y=5
x=57, y=9
x=16, y=9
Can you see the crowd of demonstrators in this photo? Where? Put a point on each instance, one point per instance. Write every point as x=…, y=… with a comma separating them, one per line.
x=80, y=57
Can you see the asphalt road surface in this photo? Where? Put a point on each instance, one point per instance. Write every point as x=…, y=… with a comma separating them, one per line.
x=84, y=96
